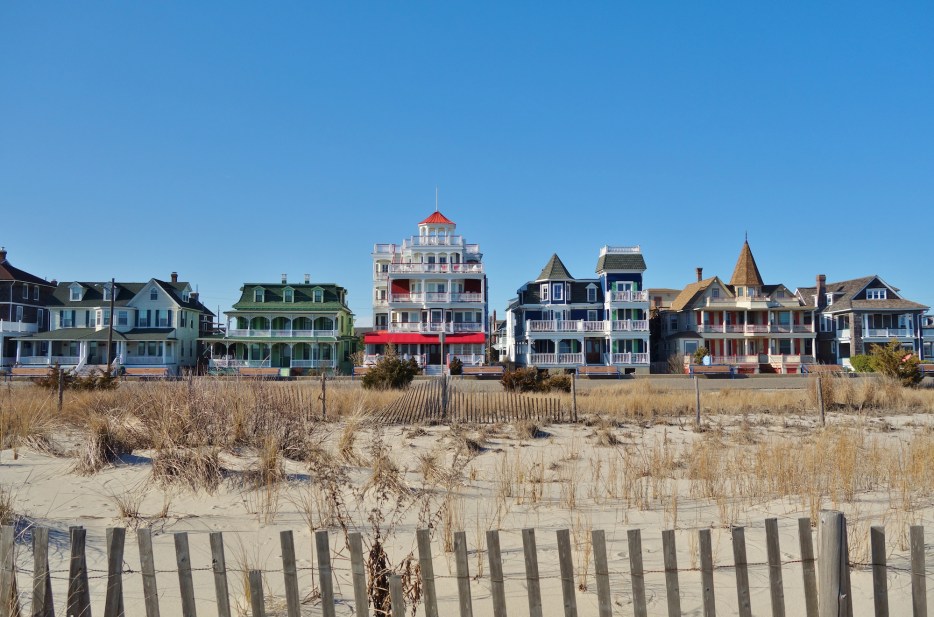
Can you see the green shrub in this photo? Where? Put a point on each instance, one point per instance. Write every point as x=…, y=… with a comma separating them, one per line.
x=455, y=366
x=391, y=372
x=895, y=361
x=699, y=355
x=862, y=363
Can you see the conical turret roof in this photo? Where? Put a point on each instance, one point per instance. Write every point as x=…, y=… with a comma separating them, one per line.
x=554, y=270
x=746, y=272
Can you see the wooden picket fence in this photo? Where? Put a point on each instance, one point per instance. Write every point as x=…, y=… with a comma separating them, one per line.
x=832, y=597
x=440, y=401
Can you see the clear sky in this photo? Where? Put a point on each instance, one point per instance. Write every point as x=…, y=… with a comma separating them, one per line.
x=236, y=141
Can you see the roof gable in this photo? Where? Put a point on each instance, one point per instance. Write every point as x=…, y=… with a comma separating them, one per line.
x=555, y=270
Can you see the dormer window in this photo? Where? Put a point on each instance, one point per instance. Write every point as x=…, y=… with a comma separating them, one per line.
x=317, y=295
x=107, y=293
x=829, y=299
x=715, y=292
x=75, y=294
x=186, y=296
x=259, y=295
x=544, y=292
x=153, y=294
x=876, y=294
x=591, y=293
x=288, y=295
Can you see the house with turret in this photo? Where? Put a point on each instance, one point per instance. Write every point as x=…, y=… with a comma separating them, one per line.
x=429, y=298
x=557, y=321
x=754, y=326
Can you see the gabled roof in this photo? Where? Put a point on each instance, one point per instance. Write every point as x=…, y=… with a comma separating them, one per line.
x=746, y=272
x=94, y=294
x=437, y=218
x=554, y=270
x=625, y=261
x=10, y=273
x=845, y=296
x=303, y=297
x=689, y=293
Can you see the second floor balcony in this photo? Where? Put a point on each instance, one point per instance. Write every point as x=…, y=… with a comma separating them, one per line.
x=435, y=297
x=753, y=329
x=269, y=333
x=432, y=328
x=18, y=327
x=628, y=296
x=583, y=326
x=436, y=268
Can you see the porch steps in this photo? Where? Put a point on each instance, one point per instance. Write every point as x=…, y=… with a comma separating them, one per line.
x=432, y=370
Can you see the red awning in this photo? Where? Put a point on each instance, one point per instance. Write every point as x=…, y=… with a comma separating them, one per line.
x=382, y=338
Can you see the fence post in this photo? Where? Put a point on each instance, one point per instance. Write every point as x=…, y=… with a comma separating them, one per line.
x=219, y=566
x=531, y=573
x=61, y=387
x=358, y=574
x=820, y=402
x=497, y=587
x=880, y=586
x=706, y=564
x=185, y=584
x=324, y=397
x=919, y=598
x=325, y=576
x=566, y=561
x=672, y=588
x=396, y=597
x=147, y=566
x=832, y=564
x=8, y=606
x=423, y=538
x=697, y=408
x=808, y=570
x=776, y=585
x=601, y=573
x=634, y=537
x=42, y=605
x=79, y=596
x=463, y=574
x=290, y=574
x=742, y=572
x=113, y=600
x=574, y=396
x=257, y=602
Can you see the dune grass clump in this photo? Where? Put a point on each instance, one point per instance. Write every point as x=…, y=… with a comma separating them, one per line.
x=193, y=468
x=105, y=443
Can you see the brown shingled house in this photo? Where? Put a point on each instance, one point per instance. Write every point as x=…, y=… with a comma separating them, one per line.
x=23, y=297
x=745, y=322
x=855, y=314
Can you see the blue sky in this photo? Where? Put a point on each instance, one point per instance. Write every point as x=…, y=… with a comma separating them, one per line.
x=236, y=141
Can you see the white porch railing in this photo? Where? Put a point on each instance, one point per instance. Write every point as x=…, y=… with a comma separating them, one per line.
x=468, y=359
x=466, y=297
x=888, y=333
x=539, y=359
x=139, y=360
x=407, y=297
x=472, y=268
x=629, y=296
x=626, y=358
x=556, y=325
x=18, y=327
x=314, y=363
x=435, y=327
x=237, y=363
x=36, y=360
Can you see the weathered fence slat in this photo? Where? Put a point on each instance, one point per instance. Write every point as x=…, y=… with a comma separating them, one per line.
x=774, y=556
x=358, y=573
x=396, y=596
x=289, y=573
x=147, y=566
x=219, y=567
x=463, y=574
x=427, y=572
x=533, y=585
x=497, y=586
x=566, y=561
x=79, y=595
x=257, y=601
x=7, y=572
x=808, y=569
x=42, y=605
x=880, y=585
x=832, y=561
x=601, y=573
x=325, y=576
x=639, y=608
x=185, y=584
x=706, y=563
x=919, y=598
x=113, y=600
x=672, y=588
x=742, y=572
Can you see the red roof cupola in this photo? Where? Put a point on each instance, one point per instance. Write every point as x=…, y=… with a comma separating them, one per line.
x=437, y=218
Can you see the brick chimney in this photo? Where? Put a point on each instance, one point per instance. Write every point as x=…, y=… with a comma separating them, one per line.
x=700, y=274
x=284, y=278
x=175, y=277
x=821, y=291
x=2, y=254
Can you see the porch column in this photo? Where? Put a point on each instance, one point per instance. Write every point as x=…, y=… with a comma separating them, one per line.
x=49, y=354
x=291, y=349
x=19, y=350
x=165, y=352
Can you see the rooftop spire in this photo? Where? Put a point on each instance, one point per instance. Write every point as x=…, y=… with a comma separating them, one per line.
x=746, y=272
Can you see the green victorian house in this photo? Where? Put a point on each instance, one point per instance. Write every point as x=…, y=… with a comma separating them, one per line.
x=305, y=327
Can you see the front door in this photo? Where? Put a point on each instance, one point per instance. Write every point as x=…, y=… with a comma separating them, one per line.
x=434, y=354
x=593, y=349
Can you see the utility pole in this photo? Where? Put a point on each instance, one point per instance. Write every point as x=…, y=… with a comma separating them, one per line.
x=110, y=329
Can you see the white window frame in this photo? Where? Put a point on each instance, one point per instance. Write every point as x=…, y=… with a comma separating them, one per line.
x=591, y=294
x=544, y=292
x=123, y=318
x=829, y=299
x=317, y=295
x=19, y=312
x=35, y=292
x=288, y=295
x=558, y=295
x=75, y=294
x=591, y=314
x=259, y=295
x=715, y=292
x=877, y=293
x=153, y=294
x=107, y=292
